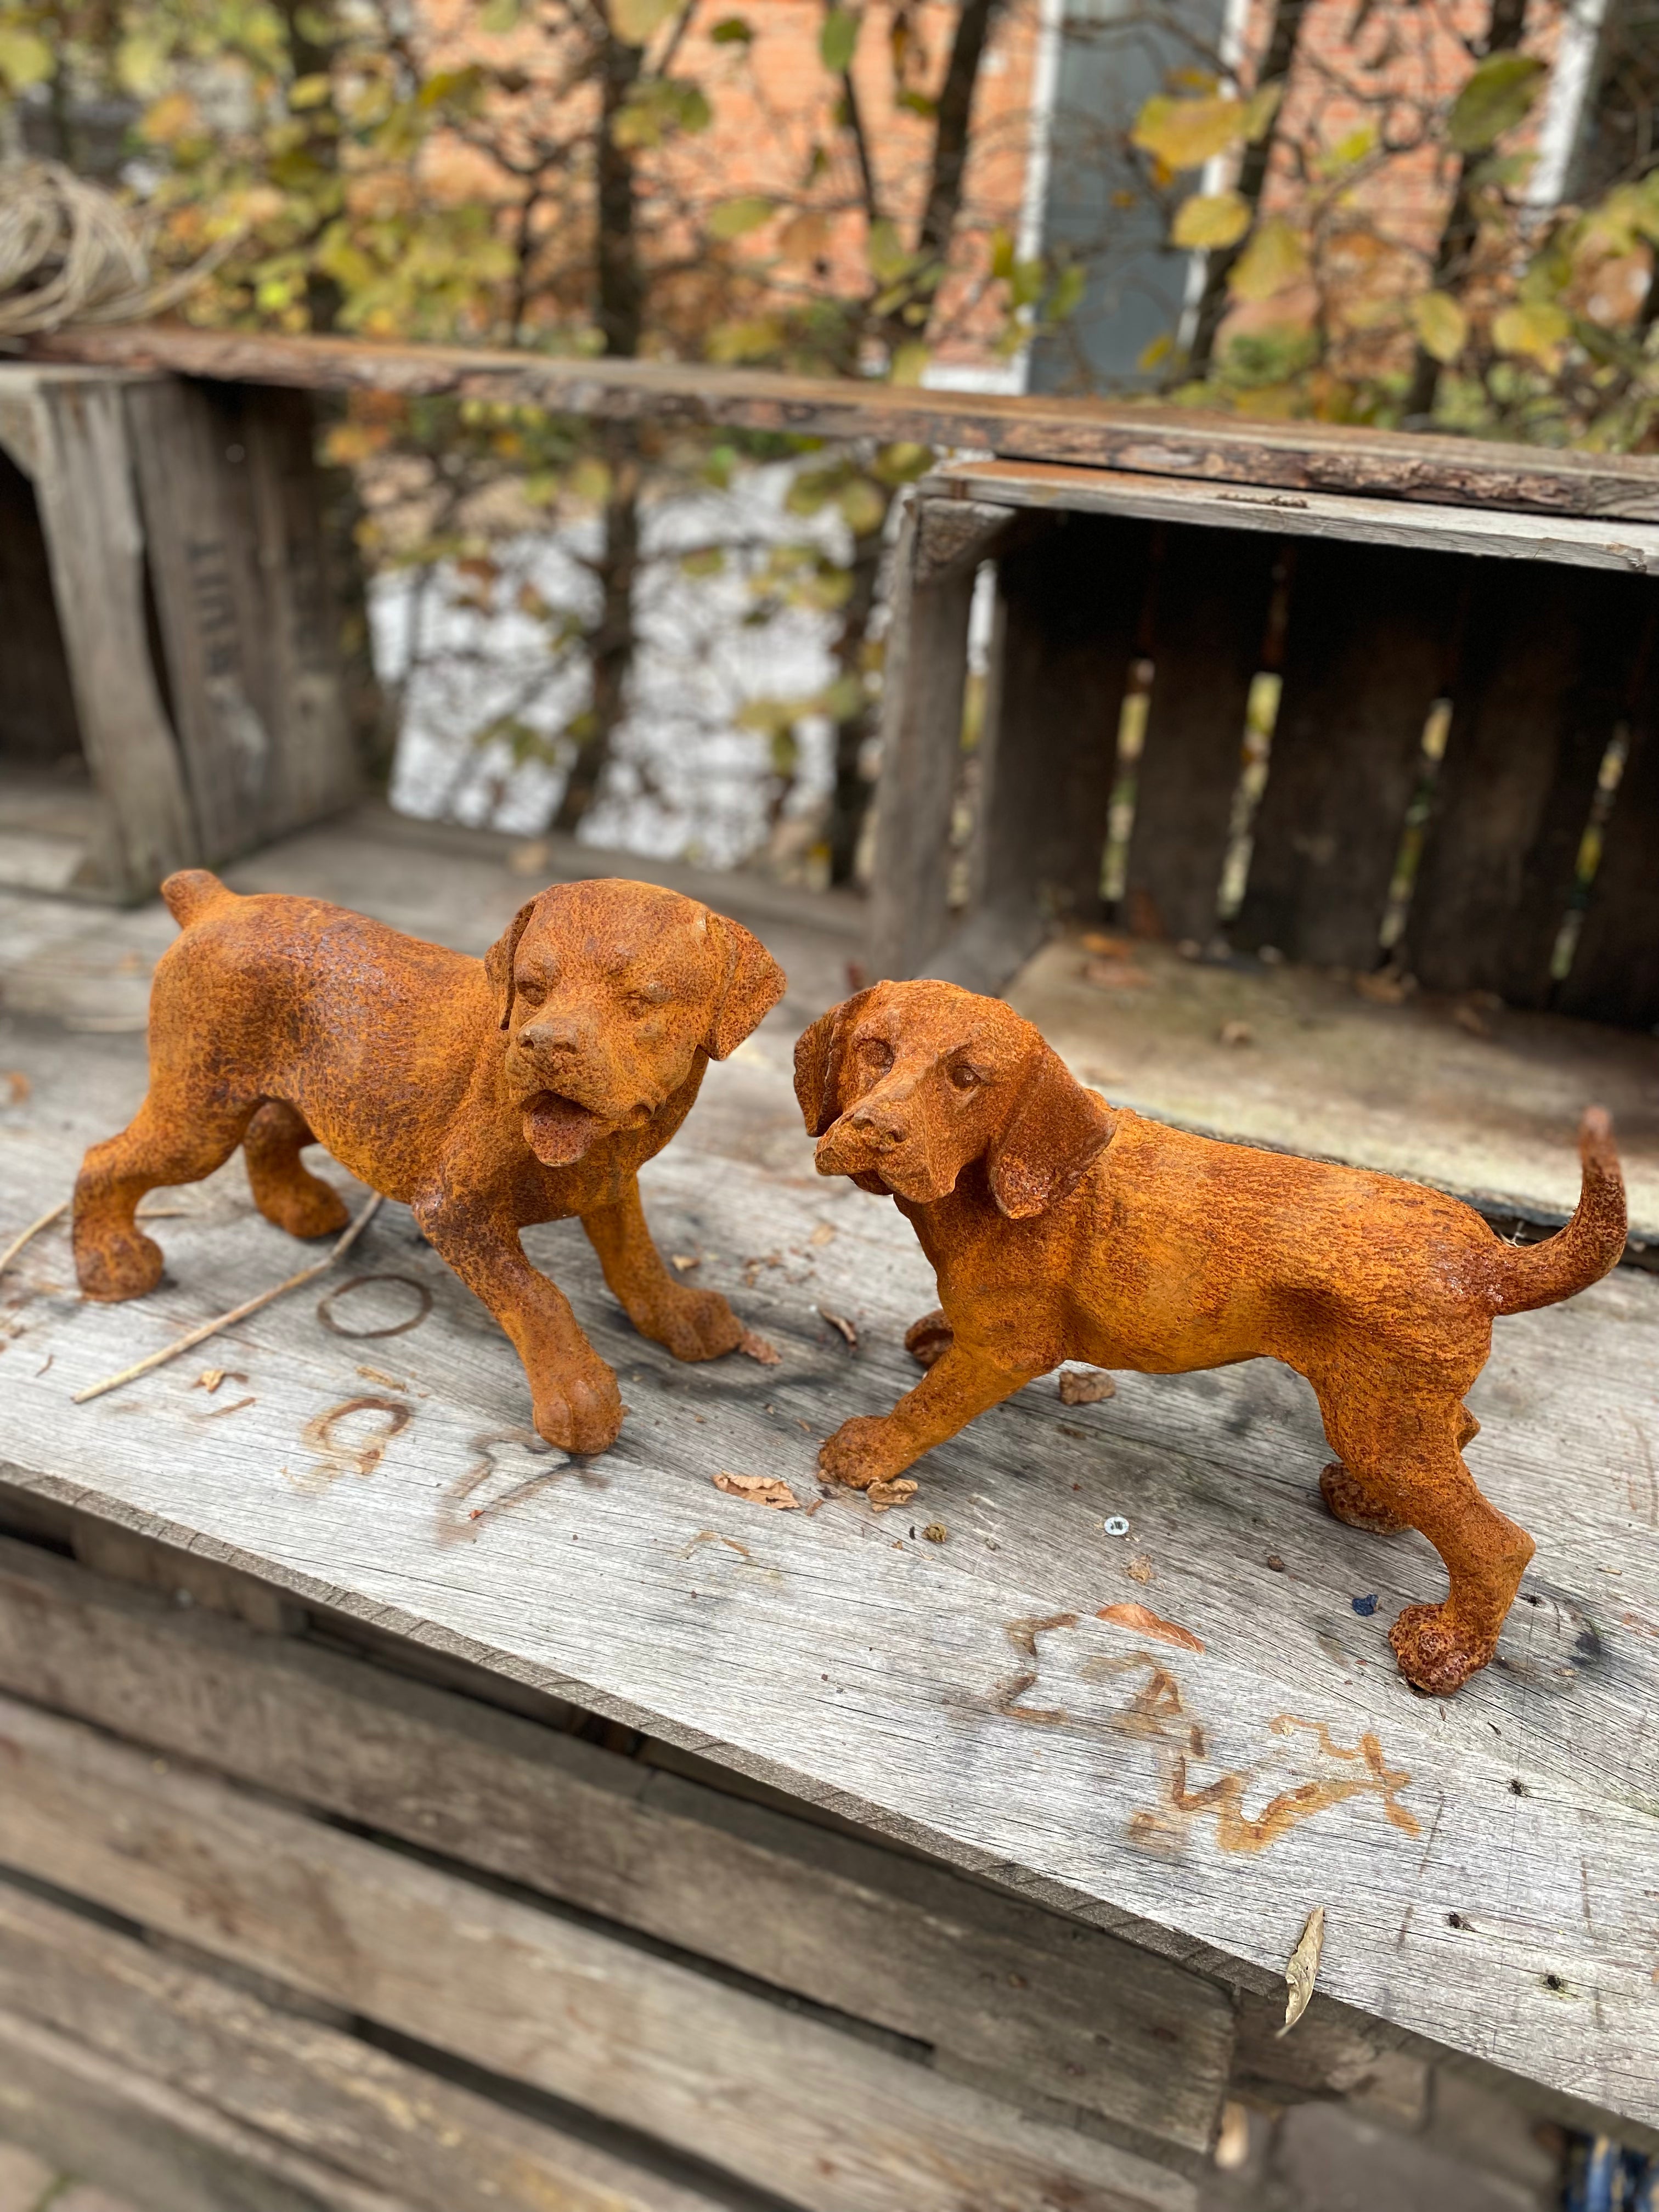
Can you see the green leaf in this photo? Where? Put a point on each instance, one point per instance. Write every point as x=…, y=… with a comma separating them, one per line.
x=885, y=251
x=1184, y=134
x=309, y=91
x=732, y=31
x=838, y=39
x=1441, y=324
x=863, y=509
x=25, y=57
x=634, y=21
x=1213, y=219
x=1002, y=254
x=1068, y=295
x=737, y=218
x=909, y=363
x=1261, y=108
x=1274, y=258
x=498, y=17
x=1498, y=96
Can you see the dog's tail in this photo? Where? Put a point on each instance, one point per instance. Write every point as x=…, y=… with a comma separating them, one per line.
x=192, y=893
x=1592, y=1242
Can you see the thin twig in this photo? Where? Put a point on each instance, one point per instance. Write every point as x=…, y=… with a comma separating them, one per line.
x=237, y=1313
x=34, y=1230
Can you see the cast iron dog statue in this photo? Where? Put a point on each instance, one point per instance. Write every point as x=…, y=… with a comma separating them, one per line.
x=1062, y=1228
x=486, y=1095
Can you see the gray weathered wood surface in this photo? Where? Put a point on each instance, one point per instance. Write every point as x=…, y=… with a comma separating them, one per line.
x=1509, y=528
x=1175, y=441
x=963, y=1695
x=1000, y=1991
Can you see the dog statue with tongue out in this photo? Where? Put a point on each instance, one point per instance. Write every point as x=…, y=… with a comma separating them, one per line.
x=485, y=1094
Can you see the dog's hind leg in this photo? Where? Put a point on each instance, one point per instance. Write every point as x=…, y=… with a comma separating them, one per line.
x=169, y=1140
x=1401, y=1440
x=284, y=1189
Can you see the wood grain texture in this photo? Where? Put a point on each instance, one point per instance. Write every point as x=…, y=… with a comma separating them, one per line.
x=998, y=1990
x=1503, y=524
x=159, y=2150
x=1157, y=440
x=304, y=2087
x=839, y=1659
x=1071, y=606
x=1536, y=697
x=1366, y=656
x=82, y=464
x=831, y=2122
x=1211, y=590
x=924, y=684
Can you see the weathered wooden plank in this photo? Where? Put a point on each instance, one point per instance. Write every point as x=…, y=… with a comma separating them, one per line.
x=777, y=2098
x=81, y=465
x=1211, y=591
x=1366, y=656
x=1538, y=693
x=306, y=2088
x=1071, y=604
x=1614, y=976
x=161, y=2151
x=997, y=1988
x=1156, y=441
x=924, y=682
x=1512, y=527
x=838, y=1659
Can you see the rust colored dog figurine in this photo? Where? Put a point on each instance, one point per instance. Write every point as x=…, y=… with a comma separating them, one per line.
x=485, y=1094
x=1062, y=1228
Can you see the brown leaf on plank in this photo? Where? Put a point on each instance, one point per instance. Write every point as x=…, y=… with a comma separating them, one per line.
x=1085, y=1386
x=754, y=1346
x=1114, y=975
x=1302, y=1970
x=839, y=1321
x=883, y=1496
x=759, y=1489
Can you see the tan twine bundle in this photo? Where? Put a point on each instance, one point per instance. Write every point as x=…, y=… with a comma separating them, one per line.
x=72, y=253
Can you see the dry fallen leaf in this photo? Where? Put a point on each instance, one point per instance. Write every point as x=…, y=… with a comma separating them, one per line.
x=1109, y=948
x=1386, y=988
x=686, y=1261
x=1304, y=1968
x=1472, y=1019
x=840, y=1321
x=883, y=1495
x=936, y=1532
x=1236, y=1033
x=1085, y=1386
x=1139, y=1568
x=1114, y=975
x=754, y=1346
x=759, y=1489
x=15, y=1084
x=822, y=1234
x=1146, y=1622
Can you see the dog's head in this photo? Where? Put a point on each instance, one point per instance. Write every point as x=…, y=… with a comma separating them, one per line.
x=609, y=992
x=907, y=1084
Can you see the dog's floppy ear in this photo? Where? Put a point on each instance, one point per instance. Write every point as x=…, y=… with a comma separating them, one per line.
x=1056, y=1128
x=754, y=984
x=498, y=961
x=817, y=1064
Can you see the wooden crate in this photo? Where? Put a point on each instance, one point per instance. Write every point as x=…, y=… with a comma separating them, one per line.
x=167, y=623
x=1539, y=629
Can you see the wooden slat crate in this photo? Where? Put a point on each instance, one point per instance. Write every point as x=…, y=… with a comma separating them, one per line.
x=1538, y=637
x=166, y=617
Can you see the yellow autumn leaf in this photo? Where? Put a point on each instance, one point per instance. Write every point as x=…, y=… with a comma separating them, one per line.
x=805, y=237
x=1274, y=258
x=172, y=117
x=634, y=21
x=1535, y=330
x=1184, y=134
x=737, y=218
x=25, y=57
x=1261, y=108
x=1441, y=324
x=909, y=363
x=1212, y=219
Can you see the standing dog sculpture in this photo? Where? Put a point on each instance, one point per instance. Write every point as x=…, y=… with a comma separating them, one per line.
x=485, y=1094
x=1062, y=1228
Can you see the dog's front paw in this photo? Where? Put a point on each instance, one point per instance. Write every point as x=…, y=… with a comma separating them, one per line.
x=118, y=1266
x=1434, y=1655
x=863, y=1451
x=579, y=1409
x=694, y=1324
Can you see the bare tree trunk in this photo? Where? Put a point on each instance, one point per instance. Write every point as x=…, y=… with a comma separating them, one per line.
x=1457, y=239
x=1276, y=62
x=611, y=645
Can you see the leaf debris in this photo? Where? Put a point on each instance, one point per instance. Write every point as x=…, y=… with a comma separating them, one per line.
x=759, y=1489
x=1303, y=1971
x=839, y=1321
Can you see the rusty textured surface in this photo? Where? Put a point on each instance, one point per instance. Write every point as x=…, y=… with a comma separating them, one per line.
x=1062, y=1228
x=485, y=1094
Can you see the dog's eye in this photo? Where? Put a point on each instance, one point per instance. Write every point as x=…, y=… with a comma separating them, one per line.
x=648, y=997
x=531, y=990
x=876, y=1052
x=965, y=1077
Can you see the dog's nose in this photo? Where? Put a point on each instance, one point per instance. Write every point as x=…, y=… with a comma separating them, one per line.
x=554, y=1034
x=884, y=1123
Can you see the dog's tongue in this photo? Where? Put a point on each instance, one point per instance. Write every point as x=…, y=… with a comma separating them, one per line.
x=558, y=1130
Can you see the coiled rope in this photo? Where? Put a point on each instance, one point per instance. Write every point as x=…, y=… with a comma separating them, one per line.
x=72, y=253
